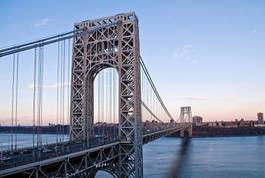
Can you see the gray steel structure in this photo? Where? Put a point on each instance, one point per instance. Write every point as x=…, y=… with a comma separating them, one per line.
x=99, y=44
x=185, y=114
x=117, y=46
x=186, y=118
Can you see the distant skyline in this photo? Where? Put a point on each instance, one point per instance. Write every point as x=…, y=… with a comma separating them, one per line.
x=206, y=54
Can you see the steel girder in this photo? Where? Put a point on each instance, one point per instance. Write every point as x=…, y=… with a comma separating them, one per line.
x=114, y=46
x=80, y=164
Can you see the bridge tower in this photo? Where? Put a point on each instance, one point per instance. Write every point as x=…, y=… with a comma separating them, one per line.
x=186, y=118
x=103, y=43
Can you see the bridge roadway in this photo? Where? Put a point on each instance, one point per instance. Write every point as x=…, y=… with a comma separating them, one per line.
x=71, y=159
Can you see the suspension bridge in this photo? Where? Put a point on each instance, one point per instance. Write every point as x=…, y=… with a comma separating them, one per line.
x=106, y=104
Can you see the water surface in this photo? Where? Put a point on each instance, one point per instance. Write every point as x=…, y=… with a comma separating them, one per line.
x=216, y=157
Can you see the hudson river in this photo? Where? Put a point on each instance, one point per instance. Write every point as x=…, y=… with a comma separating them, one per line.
x=216, y=157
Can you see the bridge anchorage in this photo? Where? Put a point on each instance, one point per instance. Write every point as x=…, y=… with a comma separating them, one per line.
x=98, y=142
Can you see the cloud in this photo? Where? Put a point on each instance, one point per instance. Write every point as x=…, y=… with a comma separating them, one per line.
x=251, y=33
x=42, y=22
x=50, y=86
x=185, y=53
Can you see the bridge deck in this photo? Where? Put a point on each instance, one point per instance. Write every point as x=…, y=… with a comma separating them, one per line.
x=25, y=162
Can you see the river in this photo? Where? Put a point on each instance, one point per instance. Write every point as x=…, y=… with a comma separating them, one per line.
x=215, y=157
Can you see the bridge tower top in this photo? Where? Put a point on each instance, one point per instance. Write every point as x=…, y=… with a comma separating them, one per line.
x=185, y=114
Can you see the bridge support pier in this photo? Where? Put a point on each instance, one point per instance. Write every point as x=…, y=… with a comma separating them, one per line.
x=186, y=131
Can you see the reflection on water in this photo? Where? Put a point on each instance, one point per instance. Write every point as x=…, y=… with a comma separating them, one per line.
x=217, y=157
x=180, y=159
x=229, y=157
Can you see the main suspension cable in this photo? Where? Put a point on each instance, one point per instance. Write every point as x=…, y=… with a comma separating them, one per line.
x=154, y=88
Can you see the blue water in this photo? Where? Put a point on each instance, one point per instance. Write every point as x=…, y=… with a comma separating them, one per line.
x=229, y=157
x=216, y=157
x=26, y=140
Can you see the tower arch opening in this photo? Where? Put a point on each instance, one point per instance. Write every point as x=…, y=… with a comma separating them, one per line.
x=106, y=102
x=104, y=174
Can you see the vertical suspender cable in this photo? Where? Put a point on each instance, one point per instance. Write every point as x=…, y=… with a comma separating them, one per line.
x=60, y=89
x=61, y=92
x=141, y=78
x=38, y=102
x=12, y=98
x=115, y=101
x=68, y=80
x=41, y=87
x=63, y=89
x=34, y=96
x=99, y=99
x=113, y=104
x=106, y=102
x=110, y=104
x=103, y=102
x=40, y=97
x=38, y=86
x=57, y=93
x=100, y=103
x=16, y=111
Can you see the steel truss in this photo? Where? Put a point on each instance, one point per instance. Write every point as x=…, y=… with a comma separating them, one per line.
x=114, y=46
x=80, y=164
x=156, y=135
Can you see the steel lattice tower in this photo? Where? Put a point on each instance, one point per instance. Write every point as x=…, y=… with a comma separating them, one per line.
x=114, y=45
x=186, y=118
x=185, y=114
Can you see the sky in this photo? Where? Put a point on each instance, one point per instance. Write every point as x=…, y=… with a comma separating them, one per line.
x=206, y=54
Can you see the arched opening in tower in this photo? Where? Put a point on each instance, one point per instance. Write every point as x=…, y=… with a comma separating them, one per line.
x=106, y=103
x=103, y=174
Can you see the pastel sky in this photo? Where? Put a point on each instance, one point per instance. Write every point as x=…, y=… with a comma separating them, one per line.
x=207, y=54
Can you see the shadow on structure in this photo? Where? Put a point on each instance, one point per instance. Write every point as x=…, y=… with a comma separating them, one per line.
x=175, y=171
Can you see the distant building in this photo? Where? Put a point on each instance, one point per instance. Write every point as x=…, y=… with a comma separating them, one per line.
x=231, y=124
x=197, y=120
x=260, y=118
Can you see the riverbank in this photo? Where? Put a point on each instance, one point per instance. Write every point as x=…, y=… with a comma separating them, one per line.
x=54, y=129
x=220, y=132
